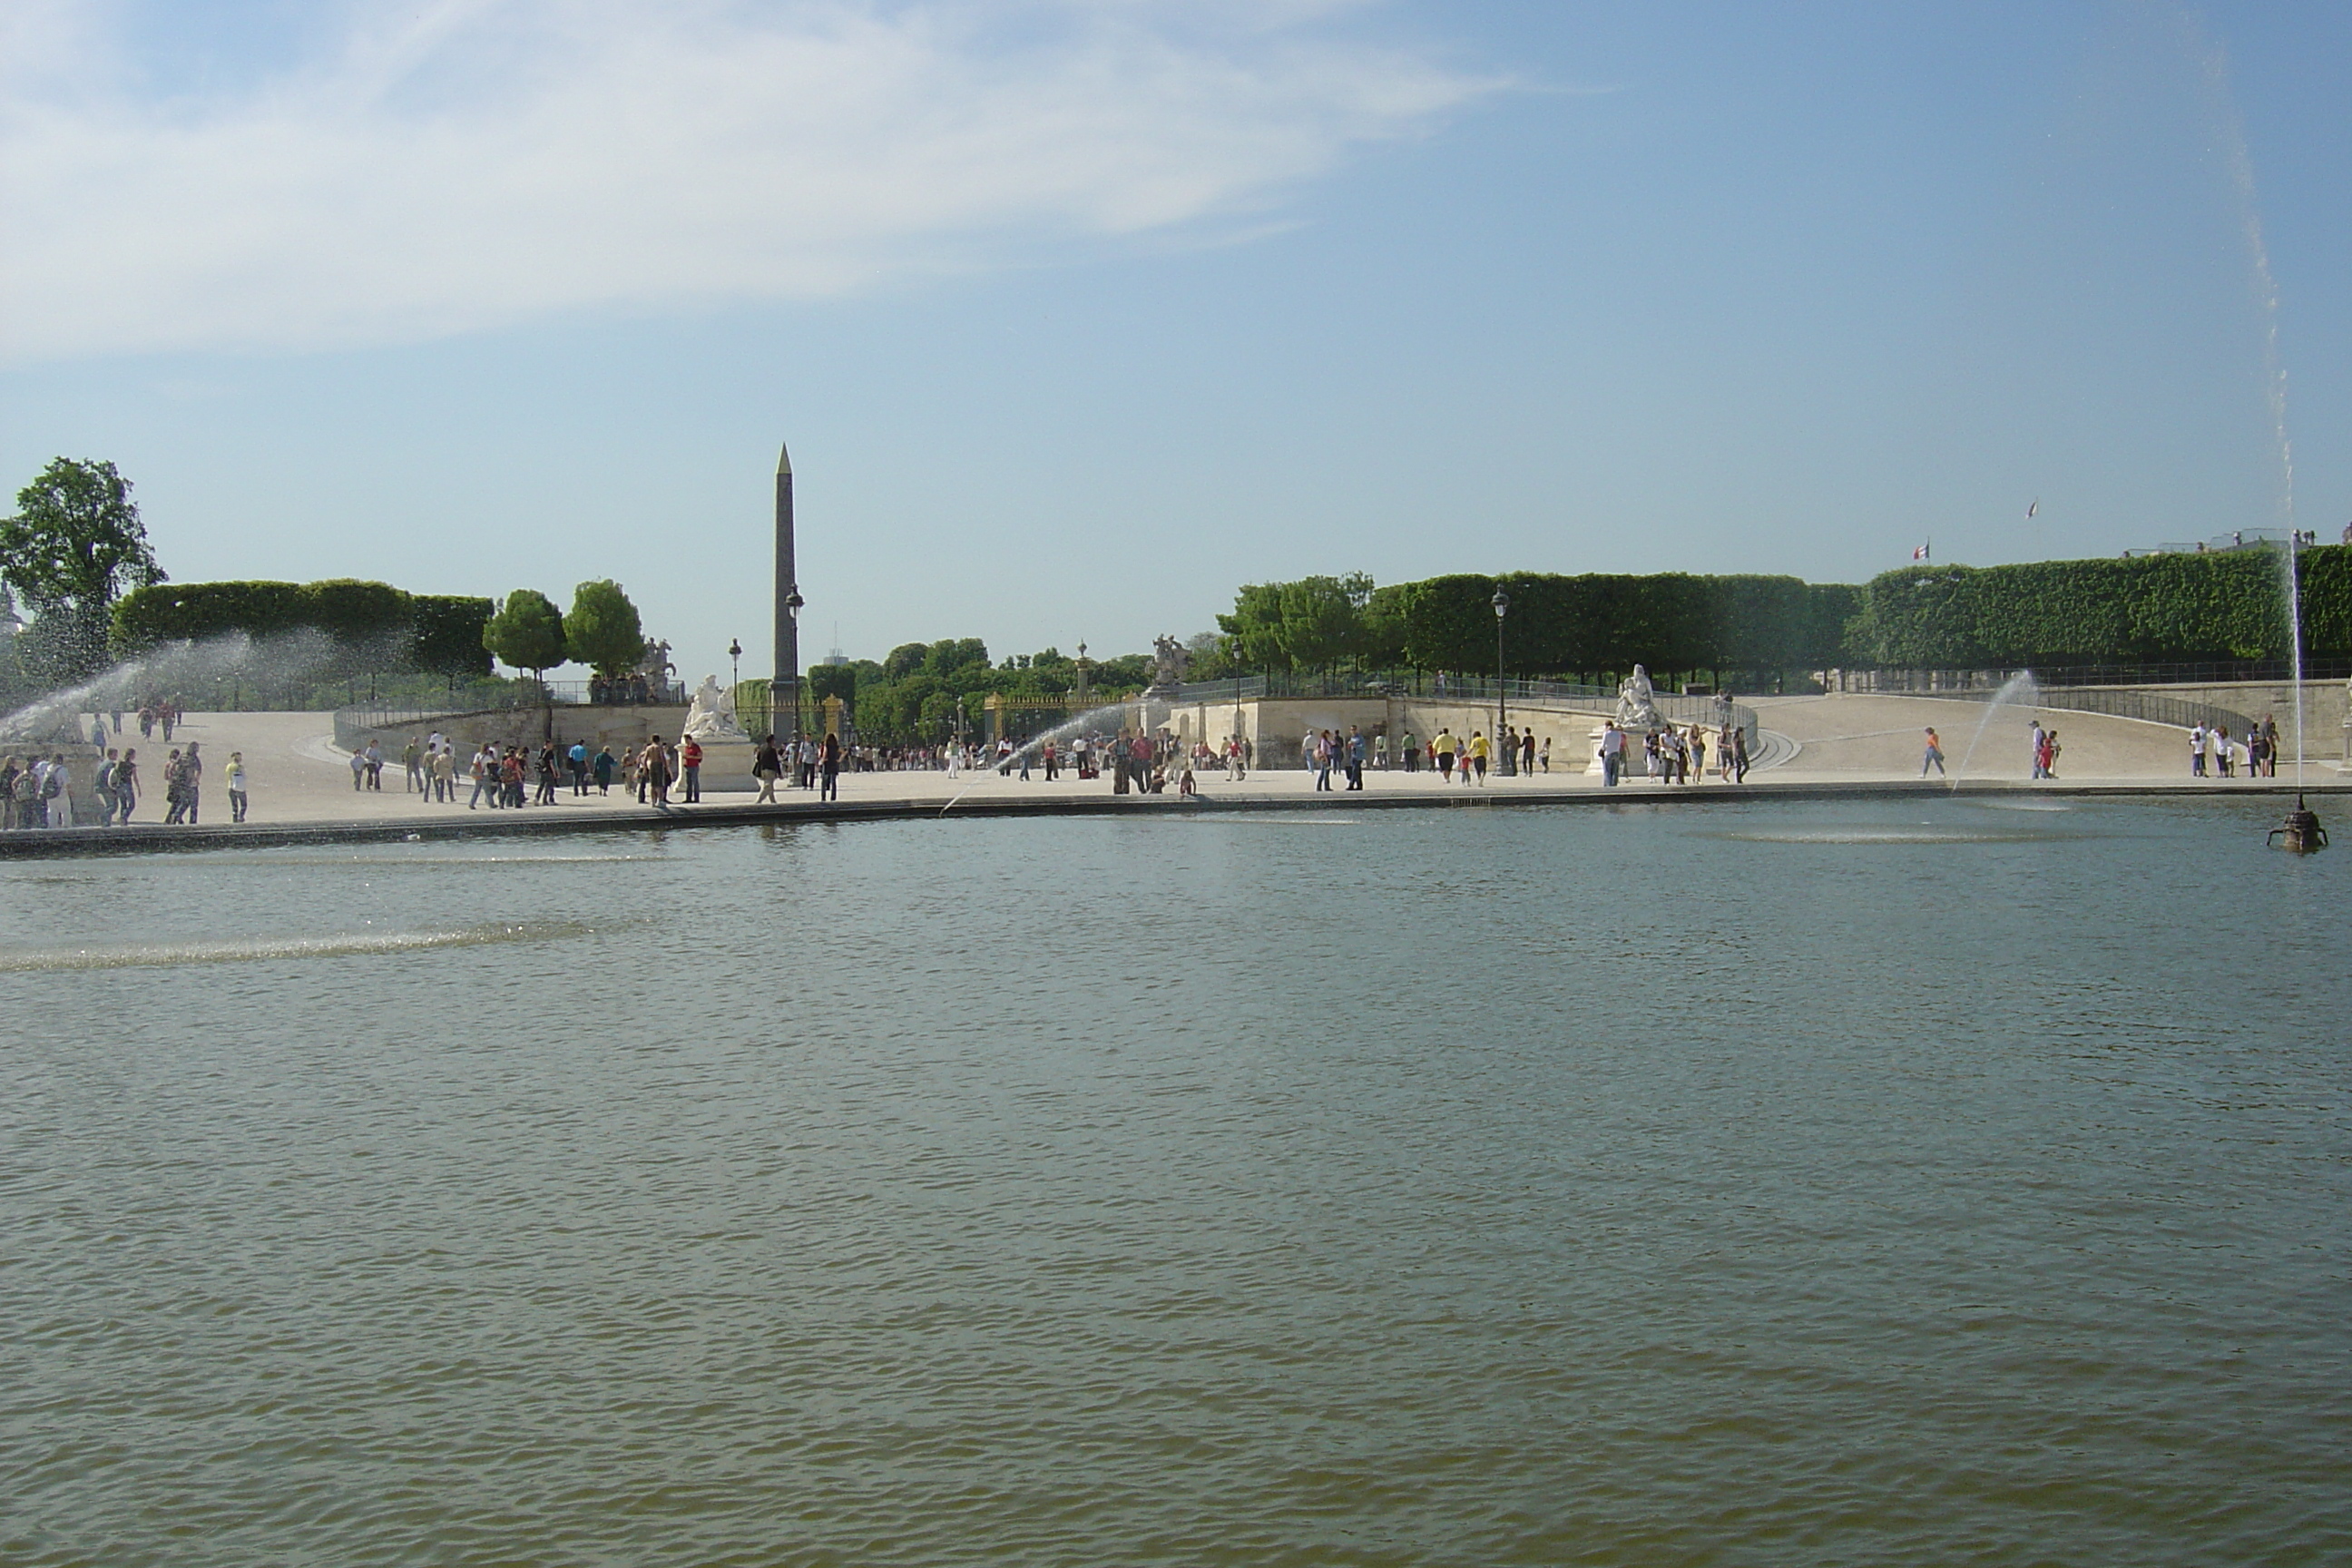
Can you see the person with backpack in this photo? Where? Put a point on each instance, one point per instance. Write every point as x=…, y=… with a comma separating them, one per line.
x=176, y=789
x=57, y=786
x=104, y=786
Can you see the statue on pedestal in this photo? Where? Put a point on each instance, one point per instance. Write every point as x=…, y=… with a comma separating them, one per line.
x=711, y=716
x=1168, y=659
x=1637, y=704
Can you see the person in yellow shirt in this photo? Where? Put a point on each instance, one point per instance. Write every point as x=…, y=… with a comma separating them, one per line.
x=1480, y=751
x=1442, y=749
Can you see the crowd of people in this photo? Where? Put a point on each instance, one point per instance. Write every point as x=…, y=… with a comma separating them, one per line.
x=2213, y=753
x=1674, y=754
x=512, y=776
x=37, y=793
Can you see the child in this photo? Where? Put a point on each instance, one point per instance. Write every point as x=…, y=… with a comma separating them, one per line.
x=237, y=787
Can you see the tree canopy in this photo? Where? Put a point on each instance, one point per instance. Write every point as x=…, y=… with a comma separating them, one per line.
x=527, y=632
x=74, y=546
x=601, y=629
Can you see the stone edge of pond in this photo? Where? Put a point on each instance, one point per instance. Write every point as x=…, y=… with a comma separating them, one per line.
x=156, y=839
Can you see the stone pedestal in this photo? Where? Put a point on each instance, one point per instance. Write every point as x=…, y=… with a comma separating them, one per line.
x=727, y=765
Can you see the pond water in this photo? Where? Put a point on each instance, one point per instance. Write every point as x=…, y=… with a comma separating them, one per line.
x=1924, y=1182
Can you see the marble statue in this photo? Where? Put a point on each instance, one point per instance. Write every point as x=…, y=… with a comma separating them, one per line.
x=711, y=716
x=1637, y=703
x=1169, y=659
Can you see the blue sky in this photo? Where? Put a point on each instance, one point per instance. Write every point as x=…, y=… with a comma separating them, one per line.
x=1076, y=317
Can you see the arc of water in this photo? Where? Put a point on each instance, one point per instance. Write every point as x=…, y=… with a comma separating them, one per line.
x=2011, y=689
x=1084, y=722
x=2295, y=652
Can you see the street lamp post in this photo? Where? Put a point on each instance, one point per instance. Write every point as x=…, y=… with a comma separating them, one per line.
x=1502, y=607
x=735, y=655
x=793, y=605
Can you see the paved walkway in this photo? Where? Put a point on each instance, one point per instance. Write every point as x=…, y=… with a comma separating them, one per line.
x=297, y=776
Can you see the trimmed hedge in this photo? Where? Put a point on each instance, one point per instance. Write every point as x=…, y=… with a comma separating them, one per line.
x=1611, y=621
x=381, y=625
x=2044, y=615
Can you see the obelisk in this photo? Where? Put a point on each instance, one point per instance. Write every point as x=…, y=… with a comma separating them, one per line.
x=784, y=689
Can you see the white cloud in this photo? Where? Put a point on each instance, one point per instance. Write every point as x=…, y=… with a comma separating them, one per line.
x=474, y=163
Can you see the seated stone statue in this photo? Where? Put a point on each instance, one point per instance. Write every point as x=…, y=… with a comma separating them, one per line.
x=711, y=716
x=1637, y=703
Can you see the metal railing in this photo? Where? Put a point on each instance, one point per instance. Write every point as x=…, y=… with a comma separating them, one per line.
x=2144, y=706
x=2228, y=672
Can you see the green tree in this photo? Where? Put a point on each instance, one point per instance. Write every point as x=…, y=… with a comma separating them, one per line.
x=1322, y=618
x=527, y=632
x=601, y=629
x=75, y=544
x=448, y=633
x=1253, y=631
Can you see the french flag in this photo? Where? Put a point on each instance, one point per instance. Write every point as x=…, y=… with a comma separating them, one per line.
x=1920, y=554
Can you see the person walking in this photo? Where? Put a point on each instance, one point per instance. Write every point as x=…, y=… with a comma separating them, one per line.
x=358, y=769
x=235, y=776
x=104, y=786
x=2033, y=747
x=2197, y=750
x=126, y=784
x=689, y=763
x=767, y=767
x=192, y=771
x=444, y=775
x=1411, y=752
x=412, y=764
x=577, y=758
x=483, y=771
x=1355, y=758
x=1935, y=755
x=1323, y=760
x=2222, y=751
x=604, y=766
x=1480, y=749
x=829, y=767
x=1442, y=749
x=1527, y=751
